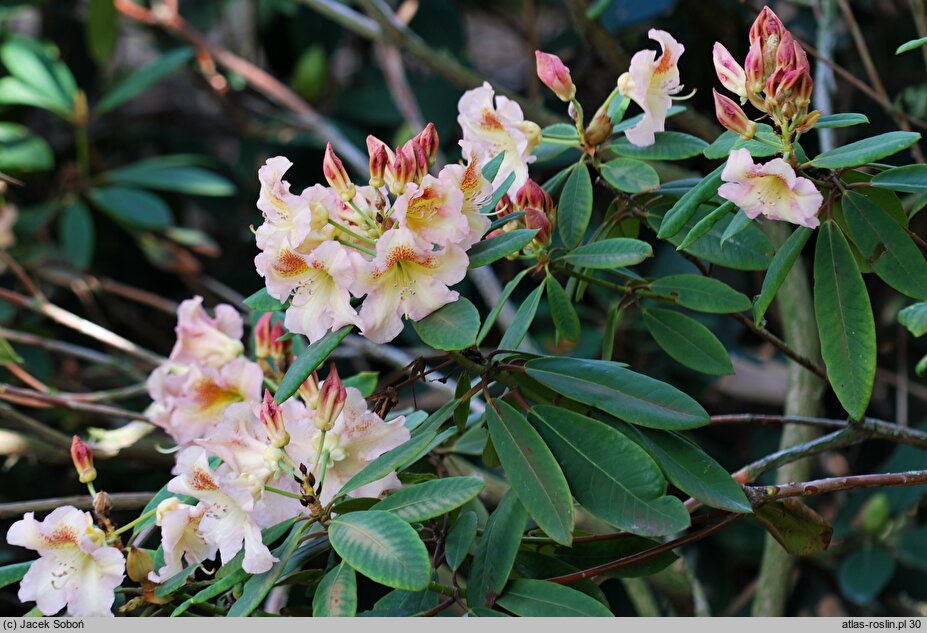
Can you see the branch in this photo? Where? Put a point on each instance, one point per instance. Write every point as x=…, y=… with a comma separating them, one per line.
x=69, y=349
x=121, y=501
x=38, y=399
x=758, y=495
x=868, y=428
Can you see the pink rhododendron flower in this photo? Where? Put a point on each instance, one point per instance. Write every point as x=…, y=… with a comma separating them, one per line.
x=433, y=211
x=555, y=75
x=208, y=340
x=491, y=128
x=278, y=206
x=406, y=278
x=75, y=569
x=477, y=191
x=771, y=189
x=181, y=539
x=650, y=82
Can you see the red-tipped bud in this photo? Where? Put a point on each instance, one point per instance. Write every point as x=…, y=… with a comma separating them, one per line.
x=279, y=346
x=421, y=159
x=732, y=116
x=429, y=141
x=731, y=75
x=555, y=75
x=767, y=29
x=262, y=335
x=404, y=168
x=504, y=207
x=532, y=195
x=82, y=457
x=378, y=163
x=753, y=68
x=495, y=233
x=309, y=390
x=808, y=122
x=336, y=175
x=272, y=419
x=331, y=401
x=537, y=219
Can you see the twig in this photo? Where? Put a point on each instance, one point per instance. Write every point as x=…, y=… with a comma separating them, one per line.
x=758, y=495
x=45, y=433
x=83, y=353
x=62, y=400
x=870, y=428
x=121, y=501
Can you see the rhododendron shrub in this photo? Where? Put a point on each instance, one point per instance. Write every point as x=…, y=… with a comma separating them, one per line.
x=289, y=471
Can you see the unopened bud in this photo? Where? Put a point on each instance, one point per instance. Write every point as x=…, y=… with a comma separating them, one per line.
x=262, y=335
x=532, y=132
x=600, y=128
x=331, y=401
x=731, y=75
x=336, y=175
x=532, y=195
x=82, y=457
x=379, y=160
x=421, y=159
x=272, y=419
x=732, y=117
x=808, y=122
x=504, y=206
x=537, y=219
x=404, y=168
x=429, y=141
x=309, y=390
x=279, y=345
x=138, y=565
x=753, y=69
x=555, y=75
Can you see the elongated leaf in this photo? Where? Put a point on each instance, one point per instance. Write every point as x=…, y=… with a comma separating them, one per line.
x=684, y=209
x=489, y=250
x=915, y=318
x=897, y=260
x=431, y=499
x=134, y=207
x=845, y=322
x=460, y=539
x=705, y=224
x=102, y=28
x=627, y=395
x=336, y=595
x=38, y=73
x=688, y=342
x=729, y=141
x=496, y=550
x=491, y=168
x=866, y=151
x=22, y=151
x=524, y=316
x=175, y=582
x=738, y=224
x=798, y=529
x=144, y=78
x=616, y=252
x=258, y=586
x=909, y=179
x=865, y=573
x=77, y=235
x=779, y=269
x=575, y=208
x=910, y=45
x=190, y=180
x=307, y=362
x=534, y=473
x=496, y=309
x=630, y=175
x=701, y=293
x=561, y=310
x=451, y=327
x=260, y=301
x=666, y=146
x=610, y=475
x=538, y=598
x=843, y=119
x=388, y=462
x=13, y=573
x=382, y=547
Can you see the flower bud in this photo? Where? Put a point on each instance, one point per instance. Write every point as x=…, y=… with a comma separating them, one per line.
x=533, y=195
x=808, y=122
x=429, y=141
x=272, y=419
x=138, y=565
x=82, y=457
x=598, y=131
x=537, y=219
x=555, y=75
x=504, y=207
x=405, y=167
x=753, y=69
x=262, y=335
x=279, y=346
x=532, y=132
x=336, y=175
x=331, y=401
x=767, y=31
x=732, y=116
x=731, y=75
x=379, y=160
x=309, y=390
x=421, y=159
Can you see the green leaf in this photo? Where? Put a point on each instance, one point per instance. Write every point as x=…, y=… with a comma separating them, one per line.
x=844, y=119
x=562, y=311
x=845, y=323
x=258, y=586
x=684, y=209
x=705, y=225
x=451, y=327
x=460, y=539
x=260, y=301
x=592, y=554
x=539, y=598
x=630, y=175
x=388, y=462
x=911, y=548
x=102, y=28
x=382, y=547
x=22, y=151
x=152, y=174
x=501, y=190
x=8, y=353
x=365, y=382
x=133, y=207
x=618, y=107
x=701, y=293
x=307, y=362
x=496, y=309
x=909, y=179
x=914, y=318
x=39, y=74
x=175, y=582
x=13, y=573
x=729, y=141
x=495, y=553
x=799, y=530
x=738, y=224
x=688, y=342
x=489, y=250
x=910, y=45
x=897, y=260
x=616, y=252
x=143, y=78
x=610, y=475
x=779, y=269
x=575, y=208
x=666, y=146
x=15, y=92
x=866, y=151
x=865, y=573
x=431, y=499
x=532, y=470
x=627, y=395
x=77, y=235
x=336, y=595
x=690, y=469
x=524, y=316
x=491, y=169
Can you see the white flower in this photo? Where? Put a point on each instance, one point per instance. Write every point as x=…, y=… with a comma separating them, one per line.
x=181, y=538
x=207, y=340
x=76, y=568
